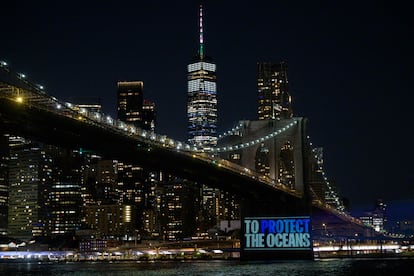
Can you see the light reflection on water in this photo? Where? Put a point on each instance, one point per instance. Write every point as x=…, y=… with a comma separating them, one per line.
x=321, y=267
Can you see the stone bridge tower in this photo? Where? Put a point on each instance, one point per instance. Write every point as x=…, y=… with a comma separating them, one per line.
x=274, y=148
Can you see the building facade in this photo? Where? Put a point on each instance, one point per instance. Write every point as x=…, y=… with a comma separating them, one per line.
x=202, y=97
x=30, y=176
x=148, y=115
x=4, y=182
x=130, y=97
x=274, y=100
x=135, y=185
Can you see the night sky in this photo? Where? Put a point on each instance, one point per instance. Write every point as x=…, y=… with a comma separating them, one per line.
x=350, y=70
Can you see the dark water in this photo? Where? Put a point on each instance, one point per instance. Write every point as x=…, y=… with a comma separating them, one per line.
x=321, y=267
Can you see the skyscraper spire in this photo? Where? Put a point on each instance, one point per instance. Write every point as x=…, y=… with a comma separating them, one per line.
x=202, y=97
x=201, y=51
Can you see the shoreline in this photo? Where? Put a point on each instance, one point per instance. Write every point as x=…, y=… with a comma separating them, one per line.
x=202, y=259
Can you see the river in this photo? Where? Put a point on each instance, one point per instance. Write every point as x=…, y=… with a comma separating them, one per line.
x=353, y=266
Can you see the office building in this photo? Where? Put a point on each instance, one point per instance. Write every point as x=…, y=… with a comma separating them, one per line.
x=148, y=115
x=130, y=97
x=377, y=217
x=30, y=176
x=274, y=100
x=4, y=182
x=177, y=208
x=135, y=185
x=202, y=97
x=65, y=193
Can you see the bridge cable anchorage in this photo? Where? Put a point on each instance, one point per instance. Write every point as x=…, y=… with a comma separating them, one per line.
x=254, y=141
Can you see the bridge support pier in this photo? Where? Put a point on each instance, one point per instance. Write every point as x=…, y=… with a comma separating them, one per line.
x=275, y=228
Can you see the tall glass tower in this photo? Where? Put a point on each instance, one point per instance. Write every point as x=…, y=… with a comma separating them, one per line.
x=202, y=97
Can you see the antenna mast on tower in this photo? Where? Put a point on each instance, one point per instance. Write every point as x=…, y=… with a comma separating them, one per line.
x=201, y=33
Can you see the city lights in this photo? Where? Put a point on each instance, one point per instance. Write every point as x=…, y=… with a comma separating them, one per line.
x=112, y=188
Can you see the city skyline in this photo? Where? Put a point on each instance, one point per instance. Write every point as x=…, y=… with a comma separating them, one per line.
x=345, y=67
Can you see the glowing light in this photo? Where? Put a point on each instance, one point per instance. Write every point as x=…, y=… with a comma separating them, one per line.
x=201, y=33
x=19, y=99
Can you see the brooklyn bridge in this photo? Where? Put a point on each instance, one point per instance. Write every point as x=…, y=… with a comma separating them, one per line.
x=281, y=214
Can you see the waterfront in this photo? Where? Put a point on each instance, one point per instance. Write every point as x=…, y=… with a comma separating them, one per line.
x=354, y=266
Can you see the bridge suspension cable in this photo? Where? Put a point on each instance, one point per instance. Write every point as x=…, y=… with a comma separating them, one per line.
x=231, y=131
x=332, y=193
x=35, y=94
x=255, y=141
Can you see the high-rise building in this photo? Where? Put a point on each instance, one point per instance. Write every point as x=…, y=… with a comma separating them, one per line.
x=4, y=181
x=377, y=217
x=148, y=115
x=65, y=193
x=177, y=208
x=30, y=177
x=130, y=96
x=134, y=184
x=273, y=91
x=202, y=97
x=108, y=219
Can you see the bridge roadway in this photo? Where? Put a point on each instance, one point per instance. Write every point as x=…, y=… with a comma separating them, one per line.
x=27, y=111
x=74, y=133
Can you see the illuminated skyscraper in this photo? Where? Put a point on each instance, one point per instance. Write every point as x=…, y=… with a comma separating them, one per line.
x=30, y=176
x=202, y=97
x=130, y=102
x=135, y=185
x=273, y=91
x=148, y=115
x=376, y=218
x=64, y=193
x=4, y=186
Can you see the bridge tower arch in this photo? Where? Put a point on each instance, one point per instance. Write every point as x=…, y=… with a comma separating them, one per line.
x=276, y=149
x=276, y=156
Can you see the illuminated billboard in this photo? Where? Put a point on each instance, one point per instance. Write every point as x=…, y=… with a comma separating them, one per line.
x=277, y=233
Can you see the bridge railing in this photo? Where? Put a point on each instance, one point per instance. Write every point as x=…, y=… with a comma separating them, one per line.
x=324, y=206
